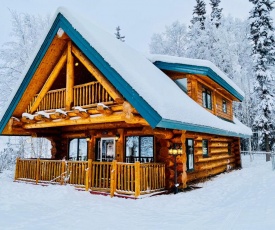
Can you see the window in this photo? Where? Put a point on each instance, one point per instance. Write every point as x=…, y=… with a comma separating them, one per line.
x=182, y=83
x=139, y=148
x=205, y=148
x=224, y=106
x=190, y=154
x=78, y=149
x=206, y=98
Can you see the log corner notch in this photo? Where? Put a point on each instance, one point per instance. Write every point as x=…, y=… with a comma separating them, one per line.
x=184, y=159
x=129, y=117
x=103, y=109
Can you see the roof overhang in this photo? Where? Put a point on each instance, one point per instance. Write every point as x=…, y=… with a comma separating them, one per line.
x=147, y=112
x=164, y=123
x=202, y=70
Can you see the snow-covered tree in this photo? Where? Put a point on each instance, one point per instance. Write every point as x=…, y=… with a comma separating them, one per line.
x=263, y=53
x=118, y=35
x=216, y=12
x=199, y=13
x=14, y=55
x=172, y=41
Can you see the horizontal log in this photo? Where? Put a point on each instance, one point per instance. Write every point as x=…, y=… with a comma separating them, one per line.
x=160, y=133
x=115, y=117
x=214, y=158
x=211, y=165
x=203, y=175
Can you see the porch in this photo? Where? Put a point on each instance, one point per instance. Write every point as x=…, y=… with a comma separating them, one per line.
x=110, y=177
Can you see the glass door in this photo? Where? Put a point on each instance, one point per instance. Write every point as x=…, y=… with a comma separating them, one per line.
x=106, y=148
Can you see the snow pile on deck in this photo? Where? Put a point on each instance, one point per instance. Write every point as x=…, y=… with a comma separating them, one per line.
x=242, y=199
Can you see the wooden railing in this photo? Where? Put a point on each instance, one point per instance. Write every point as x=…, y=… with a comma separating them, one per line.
x=53, y=171
x=152, y=177
x=89, y=94
x=84, y=95
x=101, y=176
x=125, y=178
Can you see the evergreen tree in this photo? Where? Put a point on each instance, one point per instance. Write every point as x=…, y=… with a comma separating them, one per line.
x=216, y=12
x=118, y=35
x=262, y=37
x=199, y=14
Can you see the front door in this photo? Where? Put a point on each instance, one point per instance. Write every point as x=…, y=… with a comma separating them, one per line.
x=106, y=148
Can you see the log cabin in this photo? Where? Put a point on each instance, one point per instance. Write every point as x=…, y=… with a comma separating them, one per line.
x=119, y=121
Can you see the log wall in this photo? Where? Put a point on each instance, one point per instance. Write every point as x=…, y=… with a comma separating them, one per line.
x=224, y=155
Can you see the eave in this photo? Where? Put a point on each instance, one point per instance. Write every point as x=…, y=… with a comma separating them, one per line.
x=165, y=123
x=201, y=70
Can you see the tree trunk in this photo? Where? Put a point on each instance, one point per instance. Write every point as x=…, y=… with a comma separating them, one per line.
x=267, y=158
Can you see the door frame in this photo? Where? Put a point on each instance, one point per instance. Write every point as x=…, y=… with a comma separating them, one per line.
x=100, y=145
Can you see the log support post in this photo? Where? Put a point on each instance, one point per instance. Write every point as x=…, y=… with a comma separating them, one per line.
x=69, y=78
x=137, y=178
x=16, y=168
x=113, y=178
x=184, y=159
x=63, y=169
x=37, y=170
x=88, y=175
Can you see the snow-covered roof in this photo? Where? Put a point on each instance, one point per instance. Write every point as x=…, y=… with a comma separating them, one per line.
x=155, y=96
x=191, y=65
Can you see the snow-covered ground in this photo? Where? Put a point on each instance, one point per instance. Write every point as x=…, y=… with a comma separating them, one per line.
x=242, y=199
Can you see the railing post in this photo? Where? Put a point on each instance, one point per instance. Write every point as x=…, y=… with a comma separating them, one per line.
x=137, y=178
x=90, y=165
x=88, y=175
x=16, y=168
x=63, y=168
x=37, y=170
x=113, y=178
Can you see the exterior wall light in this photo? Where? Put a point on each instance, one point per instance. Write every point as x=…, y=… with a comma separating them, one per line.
x=175, y=151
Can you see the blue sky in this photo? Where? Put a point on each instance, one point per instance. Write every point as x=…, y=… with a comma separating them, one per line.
x=138, y=19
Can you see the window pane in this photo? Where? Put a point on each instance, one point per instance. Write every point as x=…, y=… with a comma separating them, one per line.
x=132, y=144
x=205, y=147
x=82, y=151
x=108, y=149
x=209, y=101
x=78, y=149
x=224, y=107
x=204, y=99
x=73, y=149
x=146, y=146
x=190, y=154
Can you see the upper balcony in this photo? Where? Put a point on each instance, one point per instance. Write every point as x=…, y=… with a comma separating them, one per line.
x=85, y=95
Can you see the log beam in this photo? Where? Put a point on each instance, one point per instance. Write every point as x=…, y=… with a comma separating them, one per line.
x=98, y=75
x=93, y=119
x=105, y=110
x=69, y=77
x=49, y=82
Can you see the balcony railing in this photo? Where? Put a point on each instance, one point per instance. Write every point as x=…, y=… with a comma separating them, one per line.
x=84, y=95
x=124, y=178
